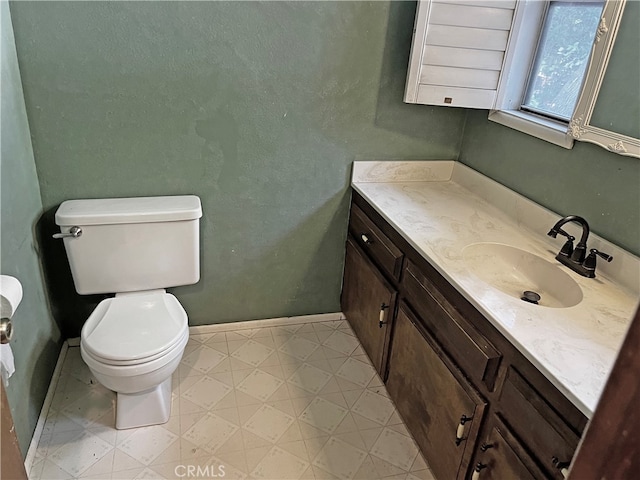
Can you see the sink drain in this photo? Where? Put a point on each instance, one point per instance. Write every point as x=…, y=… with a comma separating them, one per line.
x=530, y=297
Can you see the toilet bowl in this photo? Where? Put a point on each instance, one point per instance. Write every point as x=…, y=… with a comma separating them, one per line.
x=133, y=342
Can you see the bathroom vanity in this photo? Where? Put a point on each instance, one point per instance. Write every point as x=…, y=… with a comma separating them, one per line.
x=491, y=387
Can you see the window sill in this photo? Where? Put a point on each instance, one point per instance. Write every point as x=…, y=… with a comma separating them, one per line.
x=544, y=129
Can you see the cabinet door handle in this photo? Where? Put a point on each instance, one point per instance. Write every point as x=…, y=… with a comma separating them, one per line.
x=381, y=321
x=476, y=471
x=460, y=430
x=562, y=466
x=366, y=239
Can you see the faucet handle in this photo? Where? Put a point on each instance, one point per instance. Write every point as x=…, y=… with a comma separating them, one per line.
x=590, y=262
x=602, y=255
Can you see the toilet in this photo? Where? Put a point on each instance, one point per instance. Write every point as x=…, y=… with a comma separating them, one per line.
x=134, y=248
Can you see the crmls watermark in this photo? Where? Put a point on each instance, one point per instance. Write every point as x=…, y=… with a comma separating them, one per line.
x=199, y=471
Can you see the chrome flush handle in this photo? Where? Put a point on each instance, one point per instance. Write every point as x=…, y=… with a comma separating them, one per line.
x=74, y=232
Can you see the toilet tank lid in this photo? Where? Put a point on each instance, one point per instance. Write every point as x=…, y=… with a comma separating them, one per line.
x=106, y=211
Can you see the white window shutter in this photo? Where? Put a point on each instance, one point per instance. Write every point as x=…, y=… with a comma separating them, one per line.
x=458, y=51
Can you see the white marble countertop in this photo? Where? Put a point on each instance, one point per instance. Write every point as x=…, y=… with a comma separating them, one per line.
x=441, y=207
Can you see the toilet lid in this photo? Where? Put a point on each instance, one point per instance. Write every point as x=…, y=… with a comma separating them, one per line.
x=134, y=327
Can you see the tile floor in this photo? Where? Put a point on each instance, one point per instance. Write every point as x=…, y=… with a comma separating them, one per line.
x=285, y=402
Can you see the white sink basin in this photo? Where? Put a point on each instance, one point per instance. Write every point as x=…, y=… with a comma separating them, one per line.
x=513, y=271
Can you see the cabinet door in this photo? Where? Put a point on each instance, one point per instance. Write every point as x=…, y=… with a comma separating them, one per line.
x=368, y=302
x=432, y=397
x=537, y=424
x=498, y=459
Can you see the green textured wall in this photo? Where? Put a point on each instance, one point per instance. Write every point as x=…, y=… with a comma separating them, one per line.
x=36, y=340
x=258, y=108
x=587, y=180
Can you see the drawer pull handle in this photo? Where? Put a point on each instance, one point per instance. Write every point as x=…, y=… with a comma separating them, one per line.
x=365, y=239
x=486, y=446
x=381, y=321
x=460, y=430
x=476, y=471
x=562, y=466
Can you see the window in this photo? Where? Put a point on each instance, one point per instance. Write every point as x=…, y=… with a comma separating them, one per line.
x=524, y=60
x=551, y=44
x=561, y=59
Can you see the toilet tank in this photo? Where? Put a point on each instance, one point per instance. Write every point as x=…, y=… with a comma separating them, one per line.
x=132, y=244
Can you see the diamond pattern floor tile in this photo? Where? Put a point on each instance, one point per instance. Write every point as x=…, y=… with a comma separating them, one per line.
x=80, y=453
x=299, y=347
x=374, y=407
x=260, y=384
x=323, y=414
x=252, y=352
x=395, y=448
x=147, y=443
x=280, y=464
x=309, y=378
x=296, y=401
x=340, y=459
x=206, y=392
x=203, y=359
x=356, y=372
x=269, y=423
x=210, y=432
x=341, y=342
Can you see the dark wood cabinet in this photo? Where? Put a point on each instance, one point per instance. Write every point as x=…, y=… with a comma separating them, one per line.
x=502, y=457
x=368, y=301
x=475, y=355
x=441, y=359
x=532, y=419
x=442, y=410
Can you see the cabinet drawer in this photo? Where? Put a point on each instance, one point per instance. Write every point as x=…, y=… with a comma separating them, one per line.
x=473, y=353
x=375, y=243
x=551, y=441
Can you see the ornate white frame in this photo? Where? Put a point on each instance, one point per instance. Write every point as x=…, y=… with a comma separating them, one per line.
x=579, y=126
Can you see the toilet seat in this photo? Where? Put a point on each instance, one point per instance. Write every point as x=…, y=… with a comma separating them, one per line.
x=140, y=375
x=135, y=329
x=136, y=365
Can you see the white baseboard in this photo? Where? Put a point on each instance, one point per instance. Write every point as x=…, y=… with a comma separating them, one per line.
x=270, y=322
x=35, y=439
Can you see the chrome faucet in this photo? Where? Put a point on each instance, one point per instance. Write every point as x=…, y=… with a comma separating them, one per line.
x=576, y=258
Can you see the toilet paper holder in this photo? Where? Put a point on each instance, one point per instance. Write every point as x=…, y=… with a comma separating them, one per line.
x=6, y=330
